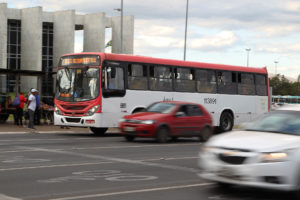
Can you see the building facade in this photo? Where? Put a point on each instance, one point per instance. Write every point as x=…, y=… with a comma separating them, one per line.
x=33, y=40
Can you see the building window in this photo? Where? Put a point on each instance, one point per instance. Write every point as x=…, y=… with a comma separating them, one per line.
x=47, y=58
x=13, y=51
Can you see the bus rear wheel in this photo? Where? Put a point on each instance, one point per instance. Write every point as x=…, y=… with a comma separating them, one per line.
x=226, y=122
x=98, y=131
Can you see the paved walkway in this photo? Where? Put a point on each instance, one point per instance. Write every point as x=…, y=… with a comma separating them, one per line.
x=9, y=127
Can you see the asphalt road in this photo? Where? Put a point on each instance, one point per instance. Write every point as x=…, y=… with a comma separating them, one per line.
x=60, y=166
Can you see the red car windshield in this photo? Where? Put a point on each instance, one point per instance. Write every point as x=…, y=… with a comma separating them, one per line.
x=161, y=107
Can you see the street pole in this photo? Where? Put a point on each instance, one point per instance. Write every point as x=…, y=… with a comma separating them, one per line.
x=186, y=22
x=275, y=67
x=248, y=51
x=121, y=31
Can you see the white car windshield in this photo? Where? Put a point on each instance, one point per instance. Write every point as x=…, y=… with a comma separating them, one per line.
x=286, y=122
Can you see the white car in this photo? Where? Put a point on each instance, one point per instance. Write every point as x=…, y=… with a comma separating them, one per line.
x=265, y=154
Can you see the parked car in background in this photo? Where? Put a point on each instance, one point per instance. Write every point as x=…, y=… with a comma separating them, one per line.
x=265, y=154
x=168, y=119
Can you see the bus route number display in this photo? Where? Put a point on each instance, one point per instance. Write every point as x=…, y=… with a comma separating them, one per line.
x=88, y=60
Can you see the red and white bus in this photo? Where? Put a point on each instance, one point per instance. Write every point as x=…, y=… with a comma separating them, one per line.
x=97, y=89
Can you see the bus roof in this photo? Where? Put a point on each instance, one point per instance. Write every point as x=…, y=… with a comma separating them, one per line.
x=162, y=61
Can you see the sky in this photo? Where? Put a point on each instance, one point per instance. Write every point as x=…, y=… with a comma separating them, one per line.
x=218, y=31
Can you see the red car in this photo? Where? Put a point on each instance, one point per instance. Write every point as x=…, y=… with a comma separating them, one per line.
x=168, y=119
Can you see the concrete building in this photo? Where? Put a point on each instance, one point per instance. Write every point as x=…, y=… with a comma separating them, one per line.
x=32, y=41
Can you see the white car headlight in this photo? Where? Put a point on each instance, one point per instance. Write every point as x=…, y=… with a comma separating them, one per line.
x=147, y=121
x=274, y=157
x=57, y=111
x=207, y=149
x=92, y=111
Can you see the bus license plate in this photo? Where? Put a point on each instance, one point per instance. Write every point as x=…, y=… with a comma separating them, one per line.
x=129, y=129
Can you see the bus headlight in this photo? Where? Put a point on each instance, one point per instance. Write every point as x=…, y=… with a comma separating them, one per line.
x=57, y=111
x=92, y=111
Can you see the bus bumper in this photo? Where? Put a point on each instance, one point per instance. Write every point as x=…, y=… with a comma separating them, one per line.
x=96, y=120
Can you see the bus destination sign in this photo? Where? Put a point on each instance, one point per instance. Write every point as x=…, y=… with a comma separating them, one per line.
x=83, y=60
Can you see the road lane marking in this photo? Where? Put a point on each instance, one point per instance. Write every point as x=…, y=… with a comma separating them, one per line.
x=135, y=146
x=52, y=166
x=109, y=175
x=121, y=160
x=4, y=197
x=133, y=191
x=44, y=132
x=90, y=163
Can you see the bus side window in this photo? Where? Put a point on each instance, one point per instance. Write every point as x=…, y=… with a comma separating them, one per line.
x=261, y=85
x=246, y=84
x=137, y=77
x=161, y=78
x=226, y=82
x=206, y=81
x=184, y=79
x=113, y=83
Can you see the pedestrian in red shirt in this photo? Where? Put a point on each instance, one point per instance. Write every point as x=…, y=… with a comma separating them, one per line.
x=20, y=108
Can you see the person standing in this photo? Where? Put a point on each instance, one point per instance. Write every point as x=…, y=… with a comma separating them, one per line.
x=31, y=108
x=20, y=108
x=10, y=108
x=37, y=114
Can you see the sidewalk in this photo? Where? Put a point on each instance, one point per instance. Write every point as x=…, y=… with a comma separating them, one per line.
x=9, y=127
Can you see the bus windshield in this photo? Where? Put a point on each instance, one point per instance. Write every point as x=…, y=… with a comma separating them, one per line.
x=77, y=84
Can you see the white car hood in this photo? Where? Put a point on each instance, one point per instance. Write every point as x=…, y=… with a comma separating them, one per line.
x=255, y=141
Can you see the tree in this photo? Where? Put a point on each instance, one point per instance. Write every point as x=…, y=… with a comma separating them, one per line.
x=282, y=86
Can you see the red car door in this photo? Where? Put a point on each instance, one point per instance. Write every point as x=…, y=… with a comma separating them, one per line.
x=197, y=119
x=182, y=123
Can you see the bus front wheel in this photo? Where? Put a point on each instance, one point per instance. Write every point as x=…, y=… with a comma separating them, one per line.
x=226, y=122
x=98, y=131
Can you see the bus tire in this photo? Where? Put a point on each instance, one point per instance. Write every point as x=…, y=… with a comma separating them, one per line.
x=162, y=135
x=226, y=122
x=98, y=131
x=129, y=138
x=206, y=133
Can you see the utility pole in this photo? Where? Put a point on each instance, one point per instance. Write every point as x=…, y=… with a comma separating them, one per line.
x=248, y=51
x=185, y=34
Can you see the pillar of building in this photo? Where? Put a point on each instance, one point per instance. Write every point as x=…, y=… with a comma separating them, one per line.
x=3, y=35
x=128, y=34
x=3, y=45
x=31, y=45
x=31, y=38
x=94, y=32
x=64, y=34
